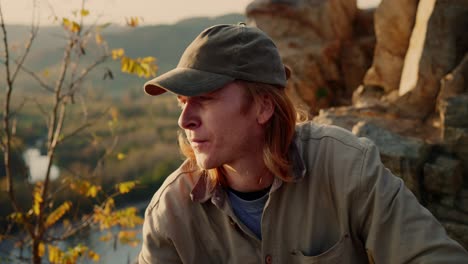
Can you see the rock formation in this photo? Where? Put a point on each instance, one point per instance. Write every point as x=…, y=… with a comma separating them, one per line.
x=394, y=21
x=437, y=45
x=405, y=86
x=311, y=36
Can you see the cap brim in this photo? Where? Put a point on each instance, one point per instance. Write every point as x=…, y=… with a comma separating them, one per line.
x=187, y=82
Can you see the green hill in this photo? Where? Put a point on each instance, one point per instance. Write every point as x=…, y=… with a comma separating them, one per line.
x=165, y=42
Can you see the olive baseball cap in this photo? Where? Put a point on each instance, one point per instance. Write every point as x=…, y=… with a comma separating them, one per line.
x=219, y=55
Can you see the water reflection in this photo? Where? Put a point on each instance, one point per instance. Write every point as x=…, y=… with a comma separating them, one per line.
x=109, y=252
x=37, y=165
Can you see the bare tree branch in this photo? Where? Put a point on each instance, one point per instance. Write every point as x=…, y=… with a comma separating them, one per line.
x=19, y=107
x=76, y=131
x=37, y=78
x=92, y=27
x=108, y=152
x=43, y=111
x=84, y=108
x=72, y=230
x=32, y=36
x=6, y=119
x=55, y=127
x=39, y=106
x=7, y=52
x=63, y=70
x=74, y=85
x=53, y=144
x=85, y=123
x=67, y=85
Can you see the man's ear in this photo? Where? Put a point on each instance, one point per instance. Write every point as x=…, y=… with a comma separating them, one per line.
x=265, y=109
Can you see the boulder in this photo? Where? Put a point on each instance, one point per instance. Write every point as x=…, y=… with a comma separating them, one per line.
x=444, y=175
x=310, y=36
x=364, y=25
x=461, y=151
x=448, y=200
x=458, y=232
x=322, y=19
x=404, y=156
x=356, y=54
x=409, y=94
x=368, y=96
x=437, y=44
x=454, y=83
x=354, y=62
x=379, y=114
x=340, y=116
x=448, y=213
x=454, y=111
x=394, y=21
x=401, y=142
x=454, y=121
x=461, y=202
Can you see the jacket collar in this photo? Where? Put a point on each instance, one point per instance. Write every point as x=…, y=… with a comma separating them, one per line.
x=203, y=190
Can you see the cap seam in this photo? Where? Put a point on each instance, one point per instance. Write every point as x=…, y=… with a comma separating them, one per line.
x=239, y=45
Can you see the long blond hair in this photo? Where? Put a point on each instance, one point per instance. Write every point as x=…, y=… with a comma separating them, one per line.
x=279, y=131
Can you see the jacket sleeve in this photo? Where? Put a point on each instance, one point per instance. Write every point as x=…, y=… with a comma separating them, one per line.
x=394, y=227
x=156, y=247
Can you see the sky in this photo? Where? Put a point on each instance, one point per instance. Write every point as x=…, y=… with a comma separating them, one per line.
x=115, y=11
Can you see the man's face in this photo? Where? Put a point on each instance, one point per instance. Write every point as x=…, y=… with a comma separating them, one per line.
x=221, y=129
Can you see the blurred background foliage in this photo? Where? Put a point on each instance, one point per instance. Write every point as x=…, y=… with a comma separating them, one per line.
x=131, y=137
x=147, y=127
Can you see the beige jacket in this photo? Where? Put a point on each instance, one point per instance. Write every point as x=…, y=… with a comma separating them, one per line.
x=343, y=207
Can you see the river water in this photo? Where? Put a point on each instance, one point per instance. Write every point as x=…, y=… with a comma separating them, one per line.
x=108, y=254
x=108, y=251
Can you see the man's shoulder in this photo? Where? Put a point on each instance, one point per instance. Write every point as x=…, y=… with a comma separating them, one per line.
x=177, y=186
x=315, y=133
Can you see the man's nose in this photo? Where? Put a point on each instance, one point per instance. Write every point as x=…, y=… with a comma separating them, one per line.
x=189, y=118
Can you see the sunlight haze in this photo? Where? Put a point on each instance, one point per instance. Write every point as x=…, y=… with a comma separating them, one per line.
x=115, y=11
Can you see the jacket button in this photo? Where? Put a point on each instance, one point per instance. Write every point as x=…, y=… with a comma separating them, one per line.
x=268, y=259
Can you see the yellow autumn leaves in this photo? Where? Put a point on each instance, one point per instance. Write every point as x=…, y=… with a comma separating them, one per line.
x=50, y=217
x=105, y=216
x=74, y=26
x=71, y=25
x=37, y=197
x=143, y=67
x=56, y=255
x=83, y=187
x=58, y=213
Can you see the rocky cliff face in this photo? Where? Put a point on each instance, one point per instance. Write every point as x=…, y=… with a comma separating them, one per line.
x=316, y=39
x=397, y=75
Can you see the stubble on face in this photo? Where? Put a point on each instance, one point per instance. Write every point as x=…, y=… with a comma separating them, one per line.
x=227, y=123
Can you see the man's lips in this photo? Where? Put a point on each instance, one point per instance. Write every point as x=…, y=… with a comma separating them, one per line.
x=198, y=143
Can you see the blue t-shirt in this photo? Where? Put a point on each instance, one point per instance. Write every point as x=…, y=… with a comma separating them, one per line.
x=249, y=211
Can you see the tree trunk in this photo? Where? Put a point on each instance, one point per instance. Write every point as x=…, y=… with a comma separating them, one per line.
x=36, y=258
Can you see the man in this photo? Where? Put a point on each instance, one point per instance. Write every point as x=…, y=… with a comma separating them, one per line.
x=257, y=188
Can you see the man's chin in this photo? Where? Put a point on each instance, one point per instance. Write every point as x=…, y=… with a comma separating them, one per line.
x=205, y=164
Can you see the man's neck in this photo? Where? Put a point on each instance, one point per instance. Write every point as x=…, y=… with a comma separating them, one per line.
x=249, y=177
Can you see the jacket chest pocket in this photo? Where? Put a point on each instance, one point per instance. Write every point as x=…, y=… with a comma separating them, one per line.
x=336, y=254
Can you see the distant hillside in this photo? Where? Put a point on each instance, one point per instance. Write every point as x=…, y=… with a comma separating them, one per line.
x=165, y=42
